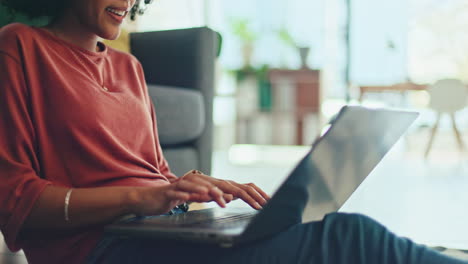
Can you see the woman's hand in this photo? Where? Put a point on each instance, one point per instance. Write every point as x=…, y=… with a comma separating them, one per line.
x=195, y=187
x=222, y=191
x=161, y=199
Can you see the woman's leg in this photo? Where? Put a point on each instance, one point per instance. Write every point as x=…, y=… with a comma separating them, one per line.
x=351, y=238
x=339, y=238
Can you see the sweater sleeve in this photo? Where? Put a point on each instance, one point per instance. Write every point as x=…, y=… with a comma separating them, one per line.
x=162, y=162
x=20, y=185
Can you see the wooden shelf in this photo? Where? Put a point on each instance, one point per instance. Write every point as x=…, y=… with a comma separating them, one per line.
x=304, y=99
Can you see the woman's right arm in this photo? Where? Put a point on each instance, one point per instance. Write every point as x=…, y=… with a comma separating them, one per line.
x=91, y=206
x=86, y=207
x=102, y=205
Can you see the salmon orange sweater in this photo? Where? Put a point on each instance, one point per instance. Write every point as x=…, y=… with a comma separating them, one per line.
x=74, y=118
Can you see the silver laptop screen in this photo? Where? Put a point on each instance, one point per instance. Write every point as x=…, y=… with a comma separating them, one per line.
x=345, y=155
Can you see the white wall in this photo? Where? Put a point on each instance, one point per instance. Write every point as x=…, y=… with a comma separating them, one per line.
x=438, y=40
x=379, y=41
x=171, y=14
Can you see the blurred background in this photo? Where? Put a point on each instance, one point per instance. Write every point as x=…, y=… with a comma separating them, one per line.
x=287, y=66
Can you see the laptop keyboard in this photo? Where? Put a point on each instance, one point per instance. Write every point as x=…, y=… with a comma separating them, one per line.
x=203, y=218
x=224, y=222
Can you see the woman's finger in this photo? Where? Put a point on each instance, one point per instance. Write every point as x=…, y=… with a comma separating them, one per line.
x=217, y=195
x=172, y=195
x=228, y=197
x=252, y=193
x=215, y=192
x=199, y=180
x=200, y=198
x=236, y=190
x=190, y=186
x=259, y=191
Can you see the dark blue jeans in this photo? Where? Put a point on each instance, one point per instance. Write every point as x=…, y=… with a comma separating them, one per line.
x=338, y=238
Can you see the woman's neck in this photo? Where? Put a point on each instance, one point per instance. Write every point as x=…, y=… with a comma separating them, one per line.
x=72, y=31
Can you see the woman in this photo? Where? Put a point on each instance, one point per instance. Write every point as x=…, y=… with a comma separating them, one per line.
x=72, y=161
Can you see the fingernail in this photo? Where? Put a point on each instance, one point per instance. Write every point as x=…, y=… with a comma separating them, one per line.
x=258, y=206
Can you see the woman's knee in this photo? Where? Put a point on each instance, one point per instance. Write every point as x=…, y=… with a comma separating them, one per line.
x=344, y=218
x=343, y=223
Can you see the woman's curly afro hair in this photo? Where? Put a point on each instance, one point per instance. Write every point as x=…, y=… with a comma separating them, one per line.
x=54, y=8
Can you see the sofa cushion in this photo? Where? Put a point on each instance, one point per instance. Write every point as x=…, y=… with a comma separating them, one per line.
x=182, y=159
x=180, y=114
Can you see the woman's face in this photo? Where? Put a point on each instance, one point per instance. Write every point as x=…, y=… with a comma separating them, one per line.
x=101, y=17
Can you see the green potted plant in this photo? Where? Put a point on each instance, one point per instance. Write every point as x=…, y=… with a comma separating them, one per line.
x=242, y=29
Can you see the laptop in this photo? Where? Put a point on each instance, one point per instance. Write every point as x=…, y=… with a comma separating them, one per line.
x=338, y=162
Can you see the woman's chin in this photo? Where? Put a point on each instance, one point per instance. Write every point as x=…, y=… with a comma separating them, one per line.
x=110, y=35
